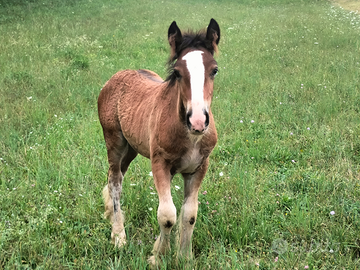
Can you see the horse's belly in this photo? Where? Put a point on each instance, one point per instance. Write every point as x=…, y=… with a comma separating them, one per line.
x=134, y=122
x=136, y=135
x=141, y=147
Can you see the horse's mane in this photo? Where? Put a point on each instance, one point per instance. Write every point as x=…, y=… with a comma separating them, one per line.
x=190, y=39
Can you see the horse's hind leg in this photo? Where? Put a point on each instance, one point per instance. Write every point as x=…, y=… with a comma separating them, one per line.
x=120, y=154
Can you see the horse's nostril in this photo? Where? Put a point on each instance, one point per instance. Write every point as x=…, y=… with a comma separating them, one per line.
x=197, y=125
x=207, y=118
x=188, y=115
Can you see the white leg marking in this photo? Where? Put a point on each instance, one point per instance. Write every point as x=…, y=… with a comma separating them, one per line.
x=167, y=219
x=187, y=220
x=118, y=235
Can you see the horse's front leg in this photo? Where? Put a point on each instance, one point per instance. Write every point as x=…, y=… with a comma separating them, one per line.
x=189, y=210
x=166, y=213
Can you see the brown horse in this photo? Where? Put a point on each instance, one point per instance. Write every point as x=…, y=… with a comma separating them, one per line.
x=169, y=122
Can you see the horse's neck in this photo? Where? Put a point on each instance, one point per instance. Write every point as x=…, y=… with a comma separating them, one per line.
x=173, y=103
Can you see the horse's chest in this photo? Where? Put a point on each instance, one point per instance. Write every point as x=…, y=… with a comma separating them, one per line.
x=190, y=161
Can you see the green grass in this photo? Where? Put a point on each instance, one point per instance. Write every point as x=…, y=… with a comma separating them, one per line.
x=293, y=67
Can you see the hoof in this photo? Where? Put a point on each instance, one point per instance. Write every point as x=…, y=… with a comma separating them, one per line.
x=152, y=262
x=119, y=240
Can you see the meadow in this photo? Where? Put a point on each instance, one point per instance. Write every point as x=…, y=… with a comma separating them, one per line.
x=283, y=186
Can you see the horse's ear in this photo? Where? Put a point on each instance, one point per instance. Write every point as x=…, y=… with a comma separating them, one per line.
x=175, y=38
x=213, y=33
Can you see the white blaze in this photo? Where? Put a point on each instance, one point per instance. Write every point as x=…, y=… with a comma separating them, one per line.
x=195, y=66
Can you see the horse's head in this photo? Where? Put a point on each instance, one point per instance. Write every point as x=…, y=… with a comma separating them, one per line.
x=193, y=71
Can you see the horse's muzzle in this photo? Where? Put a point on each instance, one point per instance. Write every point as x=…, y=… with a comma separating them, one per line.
x=197, y=124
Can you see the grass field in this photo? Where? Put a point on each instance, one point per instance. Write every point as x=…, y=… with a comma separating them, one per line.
x=283, y=187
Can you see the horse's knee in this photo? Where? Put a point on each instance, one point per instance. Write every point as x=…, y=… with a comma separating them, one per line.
x=167, y=215
x=192, y=220
x=189, y=214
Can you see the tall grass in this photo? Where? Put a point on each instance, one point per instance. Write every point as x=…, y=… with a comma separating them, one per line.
x=282, y=190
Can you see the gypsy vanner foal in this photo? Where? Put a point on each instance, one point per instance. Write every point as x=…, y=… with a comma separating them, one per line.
x=169, y=122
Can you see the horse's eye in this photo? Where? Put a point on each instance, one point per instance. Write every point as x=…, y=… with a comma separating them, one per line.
x=177, y=74
x=214, y=72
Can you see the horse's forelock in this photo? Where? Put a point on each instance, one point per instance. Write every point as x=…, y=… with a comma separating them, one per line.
x=190, y=39
x=194, y=40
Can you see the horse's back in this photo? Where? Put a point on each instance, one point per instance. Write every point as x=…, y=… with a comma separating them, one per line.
x=151, y=75
x=127, y=88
